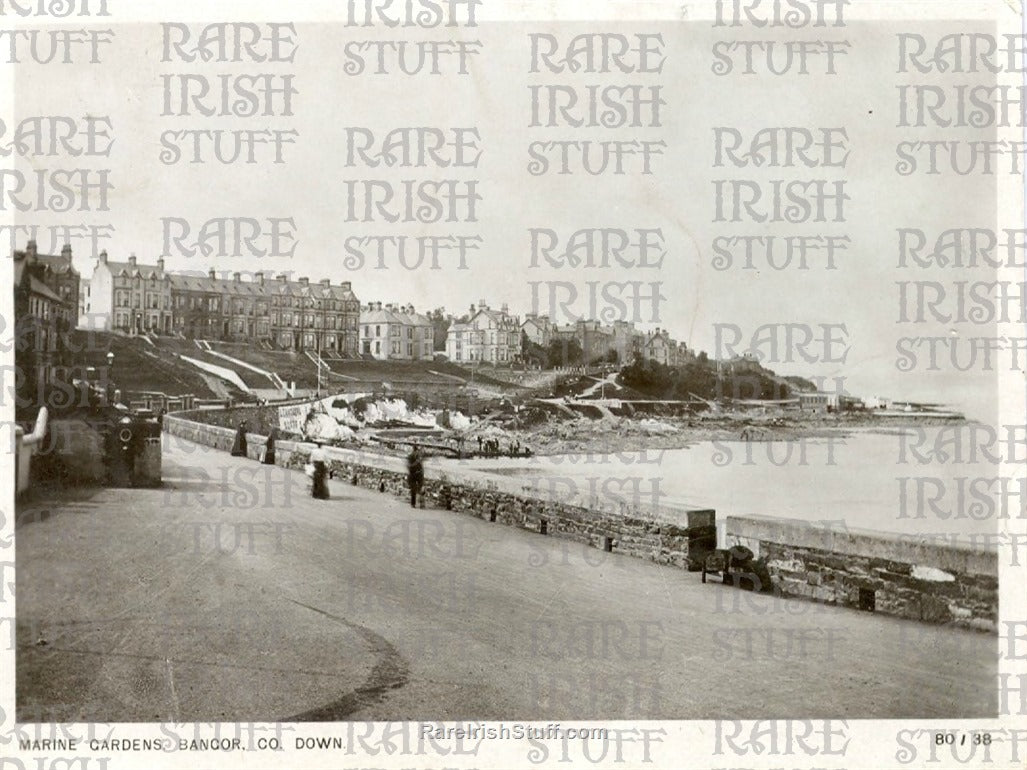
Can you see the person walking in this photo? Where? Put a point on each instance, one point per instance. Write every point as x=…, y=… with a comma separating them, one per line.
x=239, y=447
x=269, y=447
x=319, y=485
x=415, y=474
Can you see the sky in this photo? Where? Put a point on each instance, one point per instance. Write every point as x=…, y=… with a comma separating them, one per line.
x=861, y=294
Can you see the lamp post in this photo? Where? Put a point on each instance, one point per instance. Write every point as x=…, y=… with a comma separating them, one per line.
x=110, y=381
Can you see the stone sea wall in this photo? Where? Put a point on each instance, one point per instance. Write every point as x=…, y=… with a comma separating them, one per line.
x=673, y=536
x=895, y=575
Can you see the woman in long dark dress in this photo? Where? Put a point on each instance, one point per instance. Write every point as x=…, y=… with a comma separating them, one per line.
x=269, y=448
x=319, y=487
x=239, y=447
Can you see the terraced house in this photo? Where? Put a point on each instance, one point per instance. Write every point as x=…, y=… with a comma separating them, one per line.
x=395, y=333
x=283, y=313
x=130, y=297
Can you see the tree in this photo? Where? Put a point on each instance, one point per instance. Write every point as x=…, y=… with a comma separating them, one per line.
x=440, y=323
x=565, y=351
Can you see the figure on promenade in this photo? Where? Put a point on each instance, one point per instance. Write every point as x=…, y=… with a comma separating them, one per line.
x=319, y=485
x=239, y=447
x=415, y=474
x=269, y=447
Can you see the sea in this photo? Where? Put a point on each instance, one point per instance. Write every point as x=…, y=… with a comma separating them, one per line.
x=945, y=484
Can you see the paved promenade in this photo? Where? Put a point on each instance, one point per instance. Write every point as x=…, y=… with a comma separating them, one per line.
x=230, y=594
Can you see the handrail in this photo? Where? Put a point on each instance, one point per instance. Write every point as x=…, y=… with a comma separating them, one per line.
x=39, y=429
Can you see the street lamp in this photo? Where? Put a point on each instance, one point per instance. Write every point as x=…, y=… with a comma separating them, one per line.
x=110, y=381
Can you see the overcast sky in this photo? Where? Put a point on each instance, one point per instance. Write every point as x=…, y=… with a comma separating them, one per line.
x=678, y=197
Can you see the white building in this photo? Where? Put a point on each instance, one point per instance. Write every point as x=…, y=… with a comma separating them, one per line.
x=395, y=333
x=129, y=296
x=490, y=336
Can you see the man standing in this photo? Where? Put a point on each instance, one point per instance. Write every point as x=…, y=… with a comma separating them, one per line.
x=415, y=474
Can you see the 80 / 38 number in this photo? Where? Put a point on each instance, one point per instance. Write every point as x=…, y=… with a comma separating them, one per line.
x=952, y=739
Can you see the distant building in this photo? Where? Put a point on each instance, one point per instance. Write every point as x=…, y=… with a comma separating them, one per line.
x=46, y=289
x=626, y=340
x=85, y=319
x=396, y=333
x=58, y=272
x=538, y=329
x=418, y=334
x=380, y=332
x=490, y=336
x=138, y=298
x=819, y=402
x=130, y=297
x=658, y=347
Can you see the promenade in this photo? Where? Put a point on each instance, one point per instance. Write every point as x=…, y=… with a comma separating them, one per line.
x=231, y=594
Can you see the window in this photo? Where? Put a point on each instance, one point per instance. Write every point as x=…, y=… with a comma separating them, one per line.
x=377, y=331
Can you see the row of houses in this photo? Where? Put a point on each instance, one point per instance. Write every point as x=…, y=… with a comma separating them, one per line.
x=138, y=298
x=599, y=341
x=291, y=314
x=324, y=317
x=495, y=336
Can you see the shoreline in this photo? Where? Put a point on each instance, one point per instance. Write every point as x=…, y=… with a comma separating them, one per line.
x=634, y=435
x=605, y=436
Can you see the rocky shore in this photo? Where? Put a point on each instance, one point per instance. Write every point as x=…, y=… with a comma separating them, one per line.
x=633, y=434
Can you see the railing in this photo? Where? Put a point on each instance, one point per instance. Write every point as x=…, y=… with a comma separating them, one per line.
x=26, y=448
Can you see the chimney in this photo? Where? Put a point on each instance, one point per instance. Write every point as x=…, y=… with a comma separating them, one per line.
x=66, y=252
x=211, y=274
x=237, y=277
x=506, y=308
x=260, y=278
x=30, y=249
x=103, y=256
x=481, y=304
x=326, y=282
x=305, y=281
x=132, y=260
x=160, y=263
x=281, y=277
x=346, y=285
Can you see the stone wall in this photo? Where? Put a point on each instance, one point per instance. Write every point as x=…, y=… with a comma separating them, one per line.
x=895, y=575
x=260, y=418
x=673, y=536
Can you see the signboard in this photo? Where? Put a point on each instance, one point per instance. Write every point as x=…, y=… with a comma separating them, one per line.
x=292, y=418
